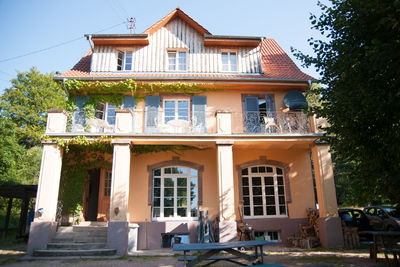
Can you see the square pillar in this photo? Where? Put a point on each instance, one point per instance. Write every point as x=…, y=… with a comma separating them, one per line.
x=227, y=215
x=224, y=121
x=123, y=121
x=329, y=222
x=117, y=236
x=56, y=121
x=44, y=226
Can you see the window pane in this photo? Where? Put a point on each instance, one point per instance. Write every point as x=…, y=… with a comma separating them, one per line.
x=245, y=181
x=182, y=192
x=282, y=210
x=281, y=200
x=156, y=212
x=157, y=172
x=257, y=191
x=169, y=105
x=261, y=169
x=168, y=202
x=157, y=192
x=245, y=172
x=245, y=191
x=254, y=170
x=224, y=58
x=257, y=200
x=256, y=181
x=280, y=180
x=193, y=172
x=271, y=210
x=279, y=171
x=269, y=190
x=182, y=170
x=269, y=180
x=270, y=200
x=233, y=61
x=193, y=212
x=258, y=211
x=167, y=170
x=246, y=201
x=182, y=202
x=168, y=192
x=174, y=170
x=157, y=182
x=168, y=212
x=193, y=182
x=281, y=191
x=169, y=182
x=182, y=212
x=269, y=169
x=182, y=182
x=246, y=211
x=156, y=202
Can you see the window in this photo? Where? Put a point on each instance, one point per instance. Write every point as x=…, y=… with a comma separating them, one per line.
x=106, y=111
x=124, y=61
x=175, y=193
x=107, y=184
x=176, y=110
x=263, y=190
x=229, y=61
x=259, y=110
x=176, y=60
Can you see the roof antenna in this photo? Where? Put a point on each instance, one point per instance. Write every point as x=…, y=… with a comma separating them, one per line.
x=131, y=24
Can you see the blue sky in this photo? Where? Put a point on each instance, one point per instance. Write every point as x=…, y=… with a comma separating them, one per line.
x=27, y=25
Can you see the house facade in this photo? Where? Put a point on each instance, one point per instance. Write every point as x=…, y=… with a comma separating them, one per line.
x=195, y=122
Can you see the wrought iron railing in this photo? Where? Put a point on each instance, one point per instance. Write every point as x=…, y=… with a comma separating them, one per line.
x=275, y=122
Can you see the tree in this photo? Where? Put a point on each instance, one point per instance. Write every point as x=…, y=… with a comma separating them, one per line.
x=359, y=62
x=10, y=152
x=26, y=103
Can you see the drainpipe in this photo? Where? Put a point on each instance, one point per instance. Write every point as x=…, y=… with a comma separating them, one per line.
x=89, y=38
x=65, y=89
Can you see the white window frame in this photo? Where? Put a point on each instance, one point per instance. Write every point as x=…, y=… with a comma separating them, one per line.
x=188, y=177
x=106, y=107
x=176, y=63
x=176, y=115
x=229, y=52
x=122, y=67
x=274, y=174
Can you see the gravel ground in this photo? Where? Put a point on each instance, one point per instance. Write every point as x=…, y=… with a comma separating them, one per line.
x=286, y=257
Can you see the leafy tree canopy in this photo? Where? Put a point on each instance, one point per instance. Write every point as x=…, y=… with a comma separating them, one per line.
x=359, y=62
x=26, y=103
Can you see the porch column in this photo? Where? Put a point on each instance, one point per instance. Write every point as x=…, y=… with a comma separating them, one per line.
x=44, y=227
x=330, y=228
x=227, y=216
x=56, y=121
x=117, y=236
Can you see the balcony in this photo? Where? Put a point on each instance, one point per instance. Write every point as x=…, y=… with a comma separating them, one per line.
x=140, y=122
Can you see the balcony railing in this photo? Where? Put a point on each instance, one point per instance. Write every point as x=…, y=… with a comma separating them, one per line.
x=82, y=122
x=157, y=122
x=275, y=122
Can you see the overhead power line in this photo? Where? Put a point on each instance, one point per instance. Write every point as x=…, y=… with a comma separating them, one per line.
x=54, y=46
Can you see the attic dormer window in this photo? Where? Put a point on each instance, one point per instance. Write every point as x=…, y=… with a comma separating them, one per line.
x=176, y=60
x=229, y=61
x=124, y=61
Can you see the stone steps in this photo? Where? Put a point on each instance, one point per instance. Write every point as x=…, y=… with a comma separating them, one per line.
x=77, y=241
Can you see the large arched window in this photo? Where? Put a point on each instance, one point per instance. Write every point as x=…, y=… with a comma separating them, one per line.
x=175, y=193
x=263, y=191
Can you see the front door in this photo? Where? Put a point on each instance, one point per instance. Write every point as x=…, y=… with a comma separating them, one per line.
x=104, y=196
x=92, y=195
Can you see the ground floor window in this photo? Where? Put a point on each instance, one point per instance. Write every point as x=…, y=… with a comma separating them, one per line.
x=268, y=235
x=175, y=193
x=263, y=189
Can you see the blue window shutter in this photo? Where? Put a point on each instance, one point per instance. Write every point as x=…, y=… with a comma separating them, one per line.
x=152, y=110
x=129, y=102
x=270, y=105
x=79, y=117
x=199, y=116
x=252, y=115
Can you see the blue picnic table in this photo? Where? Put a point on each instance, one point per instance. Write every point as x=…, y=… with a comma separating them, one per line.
x=208, y=251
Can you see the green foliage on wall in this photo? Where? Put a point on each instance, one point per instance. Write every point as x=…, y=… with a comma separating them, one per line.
x=143, y=149
x=133, y=88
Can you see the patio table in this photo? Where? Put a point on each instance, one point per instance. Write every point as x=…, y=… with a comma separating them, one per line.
x=210, y=249
x=380, y=241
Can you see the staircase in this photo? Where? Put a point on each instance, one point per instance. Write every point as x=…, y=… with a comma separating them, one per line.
x=82, y=241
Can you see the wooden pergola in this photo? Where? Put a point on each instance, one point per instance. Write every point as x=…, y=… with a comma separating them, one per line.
x=24, y=192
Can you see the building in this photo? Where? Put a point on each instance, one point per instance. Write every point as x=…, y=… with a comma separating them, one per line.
x=195, y=122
